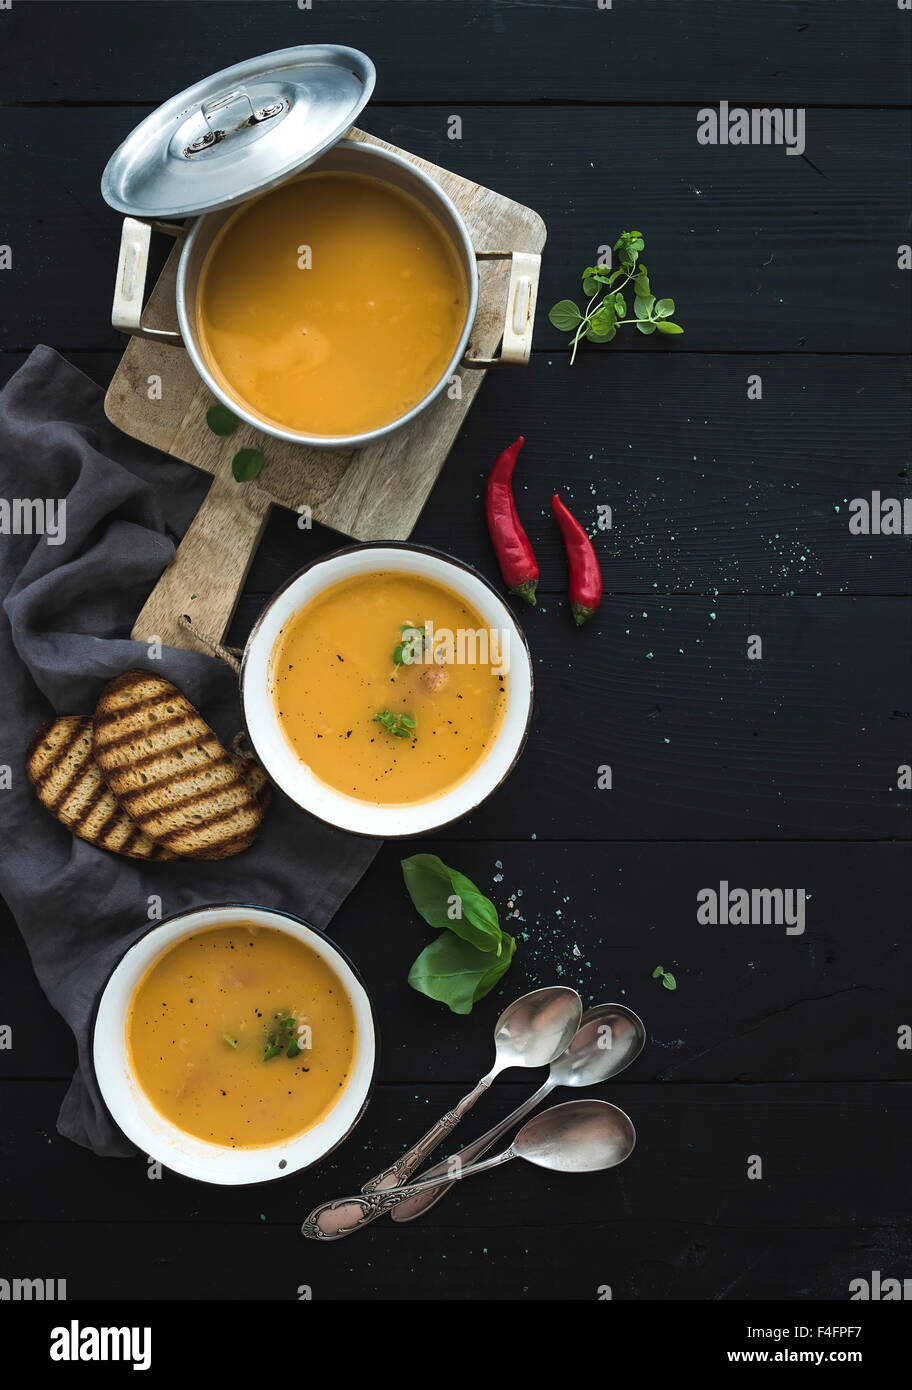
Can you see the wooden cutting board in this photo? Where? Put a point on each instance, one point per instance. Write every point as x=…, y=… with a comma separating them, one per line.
x=368, y=494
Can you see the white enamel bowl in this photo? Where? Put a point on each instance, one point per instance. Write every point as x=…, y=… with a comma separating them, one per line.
x=295, y=777
x=181, y=1152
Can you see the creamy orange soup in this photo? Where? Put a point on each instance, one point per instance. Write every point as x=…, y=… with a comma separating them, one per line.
x=241, y=1036
x=376, y=728
x=331, y=305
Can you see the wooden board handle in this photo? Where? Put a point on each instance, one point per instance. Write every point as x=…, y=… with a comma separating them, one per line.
x=208, y=571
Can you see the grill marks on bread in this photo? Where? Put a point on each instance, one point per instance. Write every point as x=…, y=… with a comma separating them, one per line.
x=68, y=781
x=170, y=773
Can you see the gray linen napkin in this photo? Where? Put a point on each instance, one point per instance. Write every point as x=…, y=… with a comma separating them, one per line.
x=69, y=601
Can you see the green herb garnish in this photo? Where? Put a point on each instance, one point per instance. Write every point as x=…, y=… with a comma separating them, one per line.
x=232, y=1042
x=456, y=973
x=472, y=953
x=247, y=464
x=668, y=980
x=399, y=725
x=221, y=421
x=412, y=640
x=282, y=1039
x=607, y=307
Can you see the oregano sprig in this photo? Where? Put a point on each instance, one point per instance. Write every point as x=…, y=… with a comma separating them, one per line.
x=399, y=725
x=607, y=309
x=411, y=644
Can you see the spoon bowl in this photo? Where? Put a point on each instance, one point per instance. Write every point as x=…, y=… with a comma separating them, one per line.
x=609, y=1038
x=535, y=1029
x=581, y=1136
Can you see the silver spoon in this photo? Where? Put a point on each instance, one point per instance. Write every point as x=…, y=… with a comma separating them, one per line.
x=609, y=1038
x=531, y=1032
x=582, y=1136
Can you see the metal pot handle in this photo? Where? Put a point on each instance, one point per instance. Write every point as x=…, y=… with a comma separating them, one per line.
x=130, y=286
x=520, y=311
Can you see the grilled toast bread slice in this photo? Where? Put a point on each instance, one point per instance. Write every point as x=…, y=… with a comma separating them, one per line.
x=170, y=773
x=254, y=777
x=68, y=781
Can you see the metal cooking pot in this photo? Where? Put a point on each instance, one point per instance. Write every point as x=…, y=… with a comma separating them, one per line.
x=249, y=129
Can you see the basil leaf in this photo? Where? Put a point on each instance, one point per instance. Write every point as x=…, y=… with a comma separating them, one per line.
x=456, y=974
x=664, y=309
x=642, y=305
x=247, y=464
x=565, y=315
x=646, y=327
x=479, y=922
x=431, y=884
x=667, y=327
x=221, y=421
x=497, y=968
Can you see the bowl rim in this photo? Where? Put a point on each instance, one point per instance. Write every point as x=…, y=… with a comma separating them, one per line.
x=276, y=912
x=416, y=548
x=186, y=314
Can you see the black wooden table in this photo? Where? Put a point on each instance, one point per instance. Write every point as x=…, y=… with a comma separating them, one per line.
x=730, y=521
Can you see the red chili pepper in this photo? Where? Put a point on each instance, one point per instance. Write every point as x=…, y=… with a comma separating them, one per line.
x=514, y=553
x=585, y=589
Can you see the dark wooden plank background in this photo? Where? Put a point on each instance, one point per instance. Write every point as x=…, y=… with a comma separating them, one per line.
x=730, y=518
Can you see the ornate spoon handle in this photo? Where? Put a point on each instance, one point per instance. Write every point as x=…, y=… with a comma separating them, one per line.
x=423, y=1201
x=339, y=1218
x=400, y=1171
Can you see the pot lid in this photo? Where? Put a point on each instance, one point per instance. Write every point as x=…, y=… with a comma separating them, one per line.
x=239, y=132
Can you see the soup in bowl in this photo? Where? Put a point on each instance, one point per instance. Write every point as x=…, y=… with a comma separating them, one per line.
x=387, y=689
x=235, y=1044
